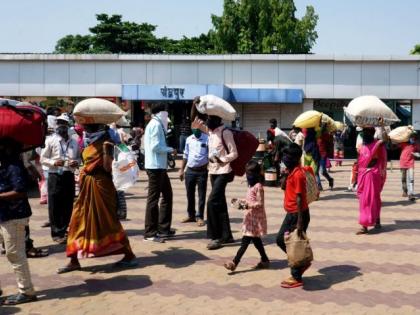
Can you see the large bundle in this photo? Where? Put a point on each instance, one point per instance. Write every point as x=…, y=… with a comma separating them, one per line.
x=308, y=119
x=331, y=127
x=97, y=111
x=366, y=110
x=401, y=134
x=215, y=106
x=339, y=125
x=24, y=123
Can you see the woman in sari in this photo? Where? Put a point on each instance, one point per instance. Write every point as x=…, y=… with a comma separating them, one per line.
x=371, y=179
x=94, y=229
x=311, y=153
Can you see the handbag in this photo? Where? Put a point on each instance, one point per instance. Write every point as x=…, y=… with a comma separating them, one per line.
x=299, y=251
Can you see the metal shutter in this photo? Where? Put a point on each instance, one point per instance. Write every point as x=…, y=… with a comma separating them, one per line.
x=256, y=118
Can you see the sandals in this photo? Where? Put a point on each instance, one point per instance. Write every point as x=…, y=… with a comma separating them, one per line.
x=19, y=298
x=68, y=268
x=362, y=231
x=200, y=222
x=37, y=253
x=262, y=265
x=126, y=263
x=230, y=266
x=291, y=283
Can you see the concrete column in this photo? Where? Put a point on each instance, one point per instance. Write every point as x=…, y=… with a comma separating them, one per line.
x=308, y=104
x=416, y=114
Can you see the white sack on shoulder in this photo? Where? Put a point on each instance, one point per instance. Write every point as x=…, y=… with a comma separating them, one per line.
x=401, y=134
x=215, y=106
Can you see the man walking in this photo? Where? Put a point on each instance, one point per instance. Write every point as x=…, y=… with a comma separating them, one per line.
x=158, y=219
x=195, y=160
x=14, y=217
x=62, y=155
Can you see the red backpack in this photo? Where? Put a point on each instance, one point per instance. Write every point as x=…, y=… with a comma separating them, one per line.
x=246, y=145
x=25, y=124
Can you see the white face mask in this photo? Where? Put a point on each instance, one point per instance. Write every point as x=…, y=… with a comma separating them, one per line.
x=163, y=116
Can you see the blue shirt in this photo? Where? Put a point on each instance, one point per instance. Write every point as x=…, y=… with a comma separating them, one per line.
x=197, y=151
x=155, y=148
x=13, y=177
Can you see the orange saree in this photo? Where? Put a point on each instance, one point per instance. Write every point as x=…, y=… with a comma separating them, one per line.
x=94, y=228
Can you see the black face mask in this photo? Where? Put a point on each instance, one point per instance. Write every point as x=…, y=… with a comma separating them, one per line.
x=367, y=138
x=63, y=131
x=251, y=179
x=213, y=123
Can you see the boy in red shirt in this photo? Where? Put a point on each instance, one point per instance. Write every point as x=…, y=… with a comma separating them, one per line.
x=296, y=206
x=408, y=152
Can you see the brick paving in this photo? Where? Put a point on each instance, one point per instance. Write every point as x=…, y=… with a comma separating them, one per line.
x=368, y=274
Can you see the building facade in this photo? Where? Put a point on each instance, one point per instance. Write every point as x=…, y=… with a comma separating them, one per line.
x=260, y=87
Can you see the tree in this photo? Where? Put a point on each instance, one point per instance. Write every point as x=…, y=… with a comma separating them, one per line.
x=416, y=50
x=73, y=44
x=263, y=26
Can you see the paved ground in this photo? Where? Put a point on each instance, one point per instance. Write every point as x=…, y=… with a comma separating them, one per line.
x=372, y=274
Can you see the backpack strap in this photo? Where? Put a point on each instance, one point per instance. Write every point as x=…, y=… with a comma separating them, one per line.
x=223, y=141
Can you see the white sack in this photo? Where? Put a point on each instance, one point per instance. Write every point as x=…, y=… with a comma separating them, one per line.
x=401, y=134
x=215, y=106
x=97, y=111
x=366, y=110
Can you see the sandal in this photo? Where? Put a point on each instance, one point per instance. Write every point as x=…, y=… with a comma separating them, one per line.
x=19, y=298
x=200, y=222
x=126, y=263
x=262, y=265
x=69, y=268
x=230, y=266
x=363, y=230
x=291, y=283
x=37, y=252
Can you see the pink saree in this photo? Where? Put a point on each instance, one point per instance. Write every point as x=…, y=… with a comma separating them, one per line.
x=371, y=182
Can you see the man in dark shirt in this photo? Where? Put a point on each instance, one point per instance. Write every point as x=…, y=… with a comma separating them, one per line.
x=14, y=216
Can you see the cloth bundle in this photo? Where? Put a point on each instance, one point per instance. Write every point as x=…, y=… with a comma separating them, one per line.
x=401, y=134
x=97, y=111
x=215, y=106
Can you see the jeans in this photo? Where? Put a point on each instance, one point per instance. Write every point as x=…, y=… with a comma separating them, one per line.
x=407, y=175
x=12, y=233
x=158, y=218
x=218, y=224
x=288, y=225
x=323, y=170
x=121, y=205
x=246, y=240
x=193, y=179
x=61, y=190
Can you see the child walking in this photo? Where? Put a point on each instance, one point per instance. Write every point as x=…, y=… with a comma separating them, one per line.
x=408, y=152
x=254, y=224
x=296, y=206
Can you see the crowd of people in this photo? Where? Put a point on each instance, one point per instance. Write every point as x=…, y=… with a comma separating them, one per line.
x=77, y=160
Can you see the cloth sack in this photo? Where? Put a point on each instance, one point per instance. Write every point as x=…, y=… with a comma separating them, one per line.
x=401, y=134
x=308, y=119
x=331, y=127
x=365, y=111
x=299, y=251
x=312, y=191
x=125, y=171
x=215, y=106
x=339, y=125
x=97, y=111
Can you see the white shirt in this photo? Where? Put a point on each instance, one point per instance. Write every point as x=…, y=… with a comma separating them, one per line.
x=56, y=148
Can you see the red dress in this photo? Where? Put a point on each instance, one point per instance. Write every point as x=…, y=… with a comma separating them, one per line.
x=255, y=220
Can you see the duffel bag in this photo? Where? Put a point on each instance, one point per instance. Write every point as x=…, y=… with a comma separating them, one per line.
x=24, y=123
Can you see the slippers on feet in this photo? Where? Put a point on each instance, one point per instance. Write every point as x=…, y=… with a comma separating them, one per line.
x=230, y=266
x=19, y=298
x=291, y=283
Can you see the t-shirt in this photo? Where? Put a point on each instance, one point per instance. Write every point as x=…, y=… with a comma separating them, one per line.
x=406, y=157
x=295, y=184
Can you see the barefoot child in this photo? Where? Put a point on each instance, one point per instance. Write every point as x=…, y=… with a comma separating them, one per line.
x=254, y=224
x=296, y=206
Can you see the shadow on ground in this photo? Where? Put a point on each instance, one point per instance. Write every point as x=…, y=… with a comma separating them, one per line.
x=92, y=287
x=274, y=265
x=398, y=225
x=8, y=310
x=330, y=276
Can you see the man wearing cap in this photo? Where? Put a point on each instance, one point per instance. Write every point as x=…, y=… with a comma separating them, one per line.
x=62, y=156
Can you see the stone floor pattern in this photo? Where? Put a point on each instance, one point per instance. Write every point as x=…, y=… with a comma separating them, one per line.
x=368, y=274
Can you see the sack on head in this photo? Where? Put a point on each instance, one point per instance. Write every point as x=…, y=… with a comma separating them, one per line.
x=215, y=106
x=97, y=111
x=401, y=134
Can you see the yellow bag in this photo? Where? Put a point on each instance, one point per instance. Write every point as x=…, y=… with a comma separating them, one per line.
x=308, y=119
x=339, y=125
x=330, y=122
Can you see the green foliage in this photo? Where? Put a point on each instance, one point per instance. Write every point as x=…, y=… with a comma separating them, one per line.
x=73, y=44
x=263, y=26
x=416, y=50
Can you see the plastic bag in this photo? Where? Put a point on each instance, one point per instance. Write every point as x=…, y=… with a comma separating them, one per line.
x=125, y=170
x=299, y=251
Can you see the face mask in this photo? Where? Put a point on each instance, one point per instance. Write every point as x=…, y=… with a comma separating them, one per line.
x=367, y=138
x=251, y=179
x=290, y=162
x=63, y=131
x=272, y=126
x=196, y=133
x=163, y=117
